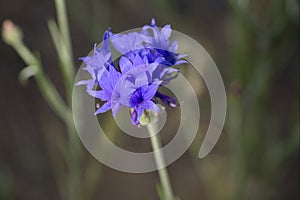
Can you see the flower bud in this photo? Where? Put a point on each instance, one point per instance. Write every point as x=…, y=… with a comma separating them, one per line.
x=11, y=34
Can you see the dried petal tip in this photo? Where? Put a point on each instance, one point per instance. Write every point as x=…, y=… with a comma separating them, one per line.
x=143, y=120
x=11, y=34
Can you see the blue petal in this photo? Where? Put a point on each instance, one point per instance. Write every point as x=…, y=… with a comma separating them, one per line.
x=125, y=43
x=138, y=61
x=104, y=108
x=150, y=105
x=109, y=79
x=125, y=64
x=98, y=60
x=174, y=46
x=114, y=75
x=105, y=81
x=115, y=109
x=141, y=79
x=153, y=22
x=169, y=101
x=137, y=97
x=83, y=82
x=100, y=94
x=166, y=31
x=150, y=92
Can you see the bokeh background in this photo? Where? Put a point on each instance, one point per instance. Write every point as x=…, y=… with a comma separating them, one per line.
x=254, y=43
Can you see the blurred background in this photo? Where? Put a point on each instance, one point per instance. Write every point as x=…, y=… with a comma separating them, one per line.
x=255, y=44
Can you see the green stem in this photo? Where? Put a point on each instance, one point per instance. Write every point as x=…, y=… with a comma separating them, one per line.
x=63, y=22
x=55, y=101
x=65, y=48
x=45, y=85
x=160, y=161
x=62, y=43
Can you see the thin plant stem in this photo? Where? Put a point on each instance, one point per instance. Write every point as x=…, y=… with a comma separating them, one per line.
x=56, y=102
x=65, y=52
x=62, y=40
x=63, y=22
x=160, y=161
x=45, y=85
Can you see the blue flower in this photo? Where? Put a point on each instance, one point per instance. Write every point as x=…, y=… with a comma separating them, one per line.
x=145, y=65
x=97, y=63
x=141, y=100
x=160, y=41
x=135, y=74
x=107, y=82
x=101, y=57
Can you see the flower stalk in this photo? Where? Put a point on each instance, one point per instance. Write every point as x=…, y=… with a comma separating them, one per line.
x=160, y=162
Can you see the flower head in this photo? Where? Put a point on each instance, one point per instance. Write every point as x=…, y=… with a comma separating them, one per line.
x=145, y=65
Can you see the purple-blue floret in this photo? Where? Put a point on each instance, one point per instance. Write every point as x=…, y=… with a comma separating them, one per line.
x=146, y=63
